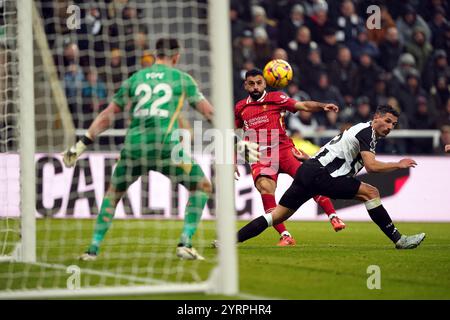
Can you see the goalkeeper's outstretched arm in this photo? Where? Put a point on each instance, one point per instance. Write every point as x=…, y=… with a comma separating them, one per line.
x=102, y=122
x=206, y=109
x=314, y=106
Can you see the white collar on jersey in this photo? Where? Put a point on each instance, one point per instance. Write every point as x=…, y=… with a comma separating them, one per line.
x=249, y=99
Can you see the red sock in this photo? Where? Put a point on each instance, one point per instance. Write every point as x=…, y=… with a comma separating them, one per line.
x=269, y=204
x=280, y=228
x=326, y=204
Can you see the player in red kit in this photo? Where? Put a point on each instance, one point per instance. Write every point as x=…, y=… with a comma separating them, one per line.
x=261, y=116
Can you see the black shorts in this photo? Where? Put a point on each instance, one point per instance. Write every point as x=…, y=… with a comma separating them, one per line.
x=313, y=179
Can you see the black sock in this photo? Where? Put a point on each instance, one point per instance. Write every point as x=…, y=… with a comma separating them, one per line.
x=252, y=229
x=380, y=216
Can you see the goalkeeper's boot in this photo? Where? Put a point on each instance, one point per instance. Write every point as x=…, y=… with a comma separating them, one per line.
x=90, y=254
x=287, y=240
x=188, y=253
x=337, y=223
x=410, y=242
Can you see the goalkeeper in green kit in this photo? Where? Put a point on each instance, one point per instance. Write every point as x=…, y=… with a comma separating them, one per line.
x=156, y=94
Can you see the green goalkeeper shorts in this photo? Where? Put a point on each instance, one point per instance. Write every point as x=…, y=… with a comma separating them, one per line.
x=129, y=169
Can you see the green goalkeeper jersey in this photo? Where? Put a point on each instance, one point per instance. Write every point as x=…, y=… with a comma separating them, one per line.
x=157, y=96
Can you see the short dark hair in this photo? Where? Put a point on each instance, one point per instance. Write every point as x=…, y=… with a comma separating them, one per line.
x=383, y=109
x=167, y=47
x=253, y=73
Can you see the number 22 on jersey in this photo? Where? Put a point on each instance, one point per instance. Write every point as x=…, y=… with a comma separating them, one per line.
x=155, y=109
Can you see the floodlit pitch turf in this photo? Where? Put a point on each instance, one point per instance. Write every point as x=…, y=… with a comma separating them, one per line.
x=324, y=264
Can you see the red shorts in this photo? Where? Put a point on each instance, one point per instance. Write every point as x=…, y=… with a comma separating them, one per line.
x=270, y=165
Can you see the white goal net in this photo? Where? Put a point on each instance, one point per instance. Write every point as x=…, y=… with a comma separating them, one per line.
x=83, y=51
x=9, y=132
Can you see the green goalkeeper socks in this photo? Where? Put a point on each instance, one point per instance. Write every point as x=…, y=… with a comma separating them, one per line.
x=194, y=209
x=102, y=224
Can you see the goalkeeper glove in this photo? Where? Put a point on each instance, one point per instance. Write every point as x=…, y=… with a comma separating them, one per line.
x=71, y=155
x=252, y=147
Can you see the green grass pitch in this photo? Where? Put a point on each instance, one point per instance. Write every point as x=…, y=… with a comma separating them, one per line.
x=324, y=264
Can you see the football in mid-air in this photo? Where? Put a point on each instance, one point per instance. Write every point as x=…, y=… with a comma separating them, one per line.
x=278, y=73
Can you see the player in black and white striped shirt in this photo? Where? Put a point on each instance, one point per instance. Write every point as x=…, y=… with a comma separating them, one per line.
x=342, y=155
x=331, y=173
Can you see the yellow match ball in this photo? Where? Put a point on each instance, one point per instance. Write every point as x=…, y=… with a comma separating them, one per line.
x=278, y=73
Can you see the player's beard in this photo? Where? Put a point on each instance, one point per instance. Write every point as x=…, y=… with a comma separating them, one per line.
x=255, y=95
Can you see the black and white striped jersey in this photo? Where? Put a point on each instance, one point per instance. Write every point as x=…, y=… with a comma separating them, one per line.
x=342, y=155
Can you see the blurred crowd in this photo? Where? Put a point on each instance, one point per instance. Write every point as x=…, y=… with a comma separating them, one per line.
x=336, y=58
x=93, y=61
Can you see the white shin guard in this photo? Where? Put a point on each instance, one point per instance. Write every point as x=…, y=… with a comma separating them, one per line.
x=373, y=203
x=268, y=217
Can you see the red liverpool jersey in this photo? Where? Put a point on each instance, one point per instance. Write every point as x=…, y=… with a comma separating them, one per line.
x=265, y=115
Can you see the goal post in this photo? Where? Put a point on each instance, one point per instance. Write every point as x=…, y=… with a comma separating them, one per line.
x=57, y=206
x=221, y=75
x=17, y=109
x=27, y=131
